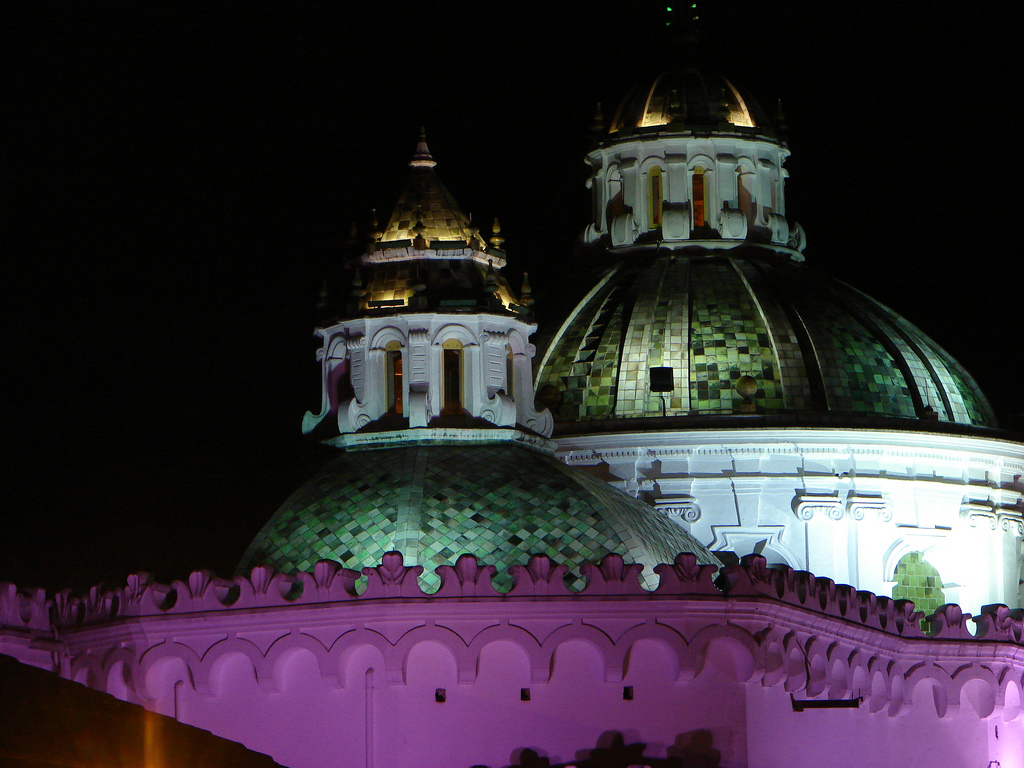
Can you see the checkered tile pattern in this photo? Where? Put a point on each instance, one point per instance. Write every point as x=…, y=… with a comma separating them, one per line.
x=809, y=341
x=500, y=502
x=426, y=199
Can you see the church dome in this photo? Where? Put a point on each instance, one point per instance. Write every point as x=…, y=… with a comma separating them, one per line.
x=813, y=346
x=499, y=501
x=687, y=100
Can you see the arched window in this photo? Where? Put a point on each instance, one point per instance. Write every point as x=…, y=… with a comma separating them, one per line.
x=451, y=377
x=655, y=196
x=698, y=197
x=393, y=377
x=918, y=580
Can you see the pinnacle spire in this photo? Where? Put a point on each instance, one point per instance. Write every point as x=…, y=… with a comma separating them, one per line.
x=422, y=157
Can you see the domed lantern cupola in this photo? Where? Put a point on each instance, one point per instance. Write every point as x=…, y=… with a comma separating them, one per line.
x=690, y=160
x=431, y=334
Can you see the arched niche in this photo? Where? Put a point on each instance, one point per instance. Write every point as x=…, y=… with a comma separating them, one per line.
x=931, y=696
x=729, y=657
x=163, y=680
x=453, y=377
x=297, y=670
x=430, y=663
x=651, y=661
x=394, y=378
x=503, y=664
x=978, y=696
x=577, y=660
x=119, y=681
x=918, y=580
x=233, y=673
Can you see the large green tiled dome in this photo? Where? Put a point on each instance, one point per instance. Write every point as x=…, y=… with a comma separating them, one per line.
x=811, y=343
x=501, y=502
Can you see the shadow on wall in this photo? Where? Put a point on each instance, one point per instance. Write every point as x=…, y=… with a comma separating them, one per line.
x=694, y=749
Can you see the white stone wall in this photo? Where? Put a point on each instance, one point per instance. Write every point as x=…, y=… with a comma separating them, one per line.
x=846, y=504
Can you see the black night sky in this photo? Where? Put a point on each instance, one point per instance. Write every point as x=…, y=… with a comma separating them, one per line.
x=181, y=180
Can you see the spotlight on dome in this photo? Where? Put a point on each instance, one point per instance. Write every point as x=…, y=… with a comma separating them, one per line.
x=661, y=382
x=661, y=379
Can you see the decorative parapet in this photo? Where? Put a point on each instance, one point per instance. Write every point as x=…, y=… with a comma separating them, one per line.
x=24, y=609
x=799, y=631
x=611, y=579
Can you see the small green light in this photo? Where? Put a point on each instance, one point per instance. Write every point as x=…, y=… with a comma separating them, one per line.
x=669, y=9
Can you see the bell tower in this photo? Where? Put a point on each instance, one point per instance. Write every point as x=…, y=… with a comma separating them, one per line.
x=430, y=333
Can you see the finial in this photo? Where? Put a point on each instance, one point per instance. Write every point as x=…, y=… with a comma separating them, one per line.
x=526, y=295
x=490, y=278
x=496, y=238
x=357, y=290
x=676, y=113
x=422, y=157
x=418, y=229
x=598, y=125
x=375, y=233
x=723, y=107
x=417, y=285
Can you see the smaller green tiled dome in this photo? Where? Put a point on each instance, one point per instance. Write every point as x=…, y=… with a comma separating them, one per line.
x=501, y=502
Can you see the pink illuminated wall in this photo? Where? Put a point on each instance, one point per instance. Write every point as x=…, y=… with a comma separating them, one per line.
x=325, y=676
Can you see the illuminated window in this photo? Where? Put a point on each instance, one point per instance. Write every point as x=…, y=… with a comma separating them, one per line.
x=451, y=377
x=655, y=196
x=393, y=376
x=698, y=197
